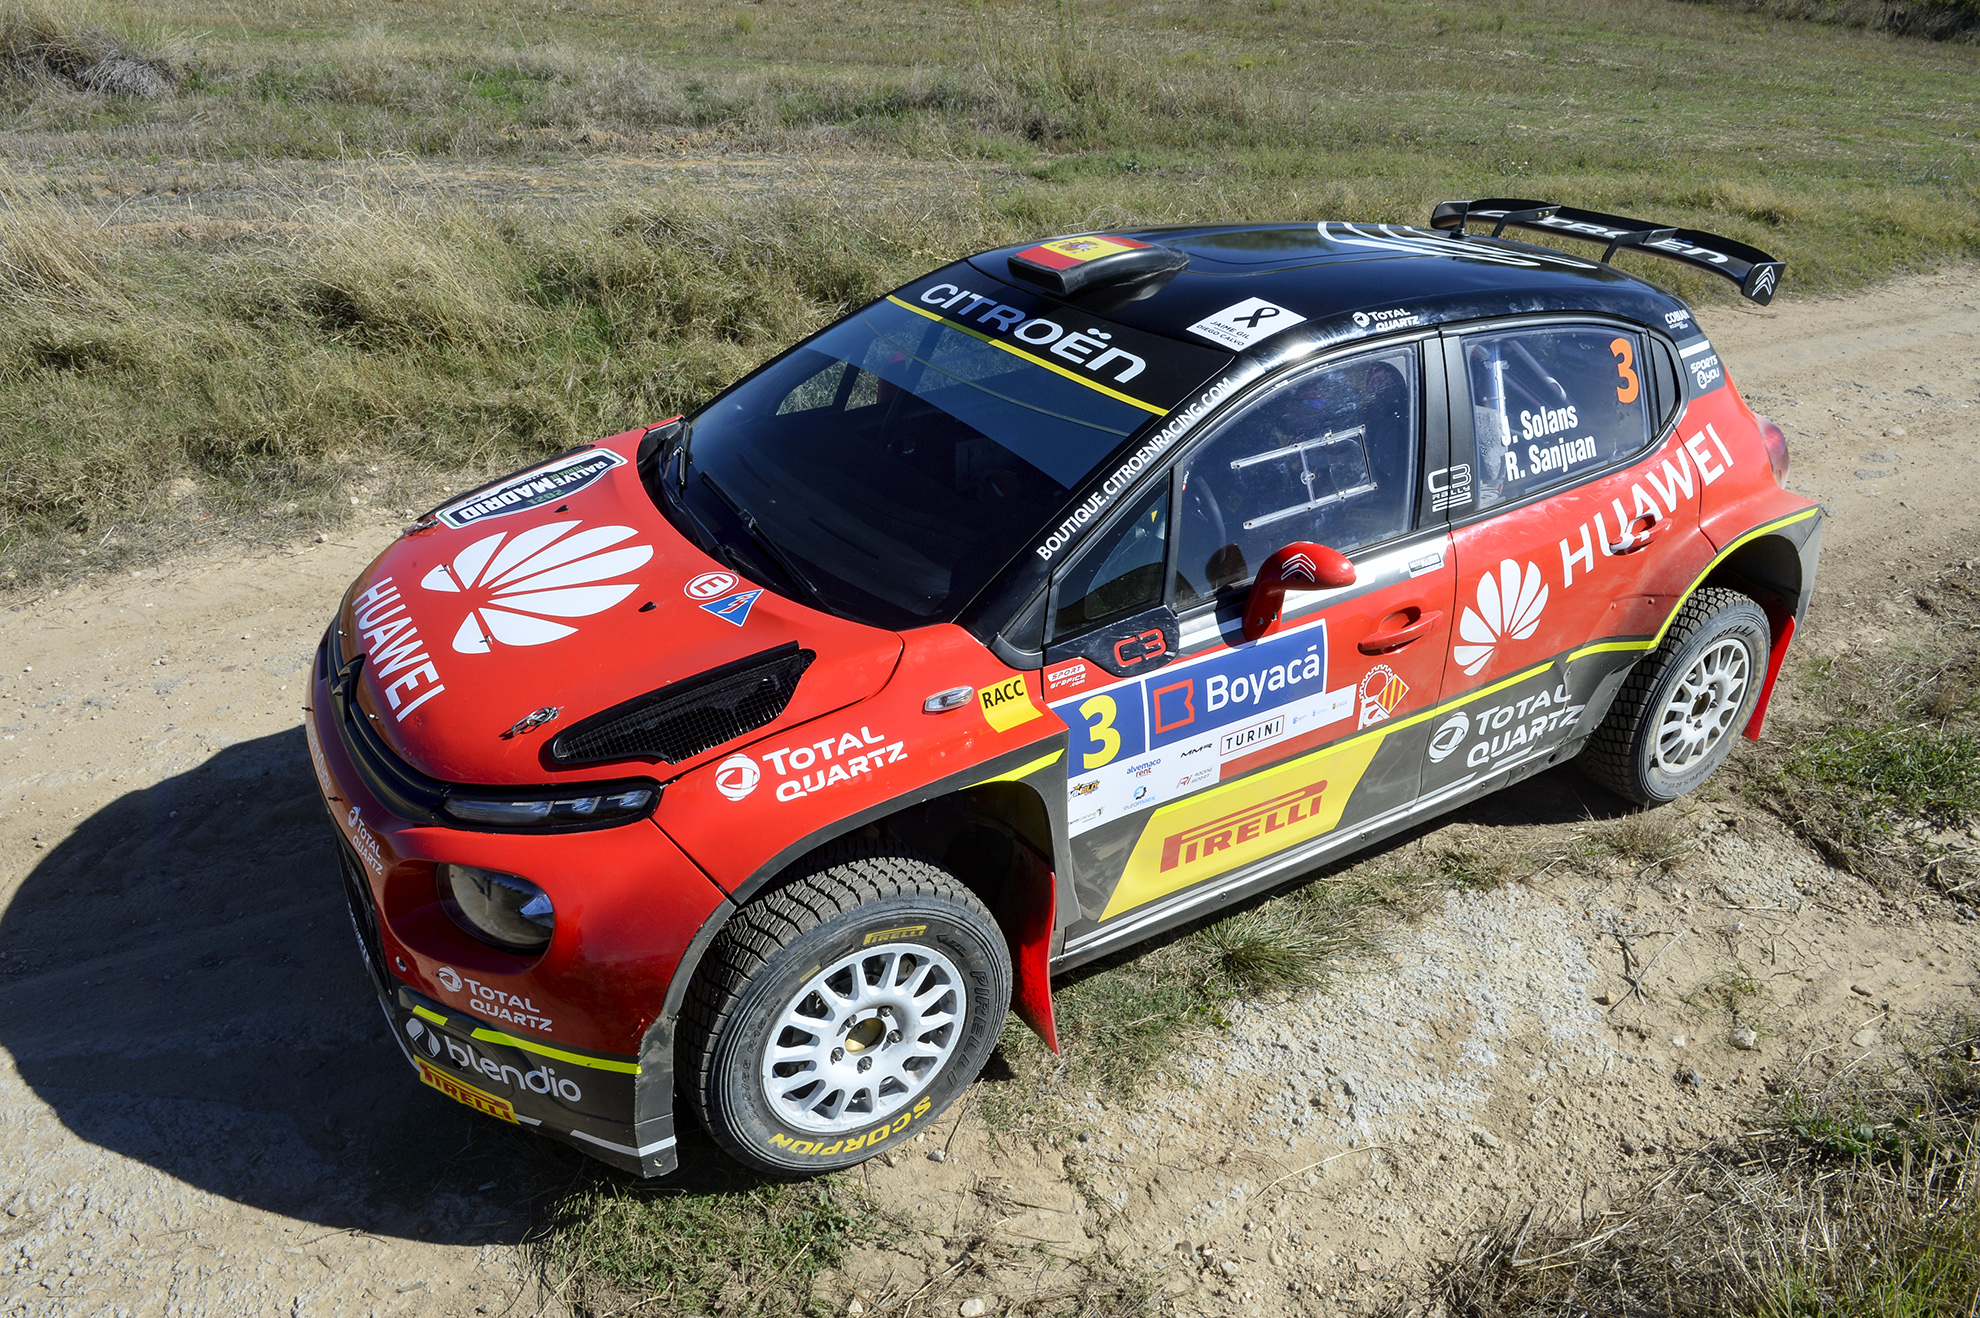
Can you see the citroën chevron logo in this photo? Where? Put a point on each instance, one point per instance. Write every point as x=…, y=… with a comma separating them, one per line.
x=517, y=584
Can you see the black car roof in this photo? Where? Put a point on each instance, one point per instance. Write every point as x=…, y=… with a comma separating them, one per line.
x=1329, y=271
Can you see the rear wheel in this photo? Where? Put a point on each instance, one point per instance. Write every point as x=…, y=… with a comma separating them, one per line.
x=844, y=1011
x=1674, y=719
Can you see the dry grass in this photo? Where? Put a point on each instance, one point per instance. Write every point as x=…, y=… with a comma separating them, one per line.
x=47, y=53
x=1861, y=1198
x=439, y=245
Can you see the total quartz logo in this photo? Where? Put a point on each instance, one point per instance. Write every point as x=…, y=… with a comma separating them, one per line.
x=737, y=776
x=493, y=1003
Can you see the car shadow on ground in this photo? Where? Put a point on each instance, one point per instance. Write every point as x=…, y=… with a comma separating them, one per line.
x=182, y=986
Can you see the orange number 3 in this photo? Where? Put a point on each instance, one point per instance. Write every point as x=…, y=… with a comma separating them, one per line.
x=1625, y=359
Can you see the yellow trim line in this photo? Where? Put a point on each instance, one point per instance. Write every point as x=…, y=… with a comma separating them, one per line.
x=1034, y=360
x=545, y=1050
x=530, y=1045
x=1022, y=771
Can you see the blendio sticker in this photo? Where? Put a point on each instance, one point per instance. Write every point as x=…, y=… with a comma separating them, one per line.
x=532, y=489
x=1244, y=323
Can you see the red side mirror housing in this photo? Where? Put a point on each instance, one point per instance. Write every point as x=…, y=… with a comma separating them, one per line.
x=1301, y=565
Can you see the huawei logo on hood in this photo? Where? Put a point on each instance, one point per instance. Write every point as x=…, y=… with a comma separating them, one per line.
x=517, y=584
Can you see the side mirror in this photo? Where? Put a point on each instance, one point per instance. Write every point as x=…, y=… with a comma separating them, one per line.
x=1301, y=565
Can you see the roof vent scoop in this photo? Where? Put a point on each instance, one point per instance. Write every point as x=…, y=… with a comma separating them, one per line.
x=1065, y=266
x=681, y=720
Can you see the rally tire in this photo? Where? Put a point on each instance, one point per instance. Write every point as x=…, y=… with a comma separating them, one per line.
x=1647, y=749
x=864, y=909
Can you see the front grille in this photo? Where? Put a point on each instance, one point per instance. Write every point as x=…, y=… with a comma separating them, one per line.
x=399, y=787
x=693, y=715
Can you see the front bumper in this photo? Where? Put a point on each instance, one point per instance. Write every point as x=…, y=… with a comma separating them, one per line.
x=567, y=1044
x=587, y=1099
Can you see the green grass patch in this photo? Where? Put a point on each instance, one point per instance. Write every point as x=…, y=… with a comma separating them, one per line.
x=1122, y=1025
x=726, y=1244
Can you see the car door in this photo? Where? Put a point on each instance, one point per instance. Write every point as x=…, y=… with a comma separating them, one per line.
x=1196, y=753
x=1580, y=533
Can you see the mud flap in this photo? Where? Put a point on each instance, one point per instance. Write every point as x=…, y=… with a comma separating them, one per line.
x=1030, y=909
x=1783, y=627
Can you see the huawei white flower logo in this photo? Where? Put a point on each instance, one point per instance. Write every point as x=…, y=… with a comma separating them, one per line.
x=1508, y=605
x=522, y=581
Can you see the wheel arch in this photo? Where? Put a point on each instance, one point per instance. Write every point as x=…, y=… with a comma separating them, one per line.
x=1025, y=802
x=1776, y=570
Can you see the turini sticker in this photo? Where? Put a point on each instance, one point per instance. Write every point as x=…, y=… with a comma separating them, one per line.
x=517, y=585
x=533, y=488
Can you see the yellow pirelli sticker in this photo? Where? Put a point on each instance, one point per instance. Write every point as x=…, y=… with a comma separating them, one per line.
x=1203, y=836
x=1008, y=704
x=479, y=1100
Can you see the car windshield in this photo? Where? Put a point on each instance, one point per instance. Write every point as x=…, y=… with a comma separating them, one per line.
x=887, y=469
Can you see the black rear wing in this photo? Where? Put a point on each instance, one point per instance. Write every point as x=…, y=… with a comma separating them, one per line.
x=1757, y=274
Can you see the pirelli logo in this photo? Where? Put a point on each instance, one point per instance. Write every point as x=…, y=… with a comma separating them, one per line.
x=477, y=1099
x=1226, y=827
x=1241, y=826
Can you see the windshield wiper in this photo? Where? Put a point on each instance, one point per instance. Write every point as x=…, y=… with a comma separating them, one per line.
x=764, y=544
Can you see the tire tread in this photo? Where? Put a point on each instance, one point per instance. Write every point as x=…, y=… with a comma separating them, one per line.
x=840, y=877
x=1610, y=755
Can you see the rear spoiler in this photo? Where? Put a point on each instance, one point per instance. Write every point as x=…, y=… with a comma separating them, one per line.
x=1757, y=274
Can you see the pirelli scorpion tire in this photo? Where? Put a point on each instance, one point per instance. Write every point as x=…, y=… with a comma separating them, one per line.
x=842, y=1012
x=1674, y=719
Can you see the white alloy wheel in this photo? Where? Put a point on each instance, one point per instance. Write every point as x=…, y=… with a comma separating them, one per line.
x=863, y=1037
x=1702, y=708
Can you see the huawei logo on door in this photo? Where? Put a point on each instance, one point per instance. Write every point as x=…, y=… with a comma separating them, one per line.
x=518, y=585
x=1509, y=605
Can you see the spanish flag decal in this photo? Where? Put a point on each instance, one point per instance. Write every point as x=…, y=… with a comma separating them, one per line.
x=1203, y=836
x=1065, y=253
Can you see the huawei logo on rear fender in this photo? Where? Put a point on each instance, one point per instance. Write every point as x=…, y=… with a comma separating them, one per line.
x=518, y=585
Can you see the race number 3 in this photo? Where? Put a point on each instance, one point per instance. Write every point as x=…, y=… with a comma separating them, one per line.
x=1625, y=370
x=1099, y=714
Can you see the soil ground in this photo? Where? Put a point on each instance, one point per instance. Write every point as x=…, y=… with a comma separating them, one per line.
x=200, y=1110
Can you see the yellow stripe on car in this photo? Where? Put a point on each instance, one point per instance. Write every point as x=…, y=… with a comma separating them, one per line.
x=1034, y=360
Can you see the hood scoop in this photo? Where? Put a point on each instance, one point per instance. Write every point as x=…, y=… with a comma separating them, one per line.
x=681, y=720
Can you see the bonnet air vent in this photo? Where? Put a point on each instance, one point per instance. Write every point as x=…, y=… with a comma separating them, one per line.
x=698, y=713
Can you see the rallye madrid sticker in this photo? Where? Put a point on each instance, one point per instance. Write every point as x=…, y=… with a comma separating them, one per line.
x=734, y=608
x=532, y=489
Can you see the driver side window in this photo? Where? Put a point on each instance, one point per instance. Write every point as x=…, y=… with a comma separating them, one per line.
x=1328, y=456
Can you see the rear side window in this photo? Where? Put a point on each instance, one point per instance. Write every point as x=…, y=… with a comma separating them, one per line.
x=1549, y=405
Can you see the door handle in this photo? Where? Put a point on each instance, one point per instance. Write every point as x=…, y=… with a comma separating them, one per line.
x=1383, y=642
x=1653, y=526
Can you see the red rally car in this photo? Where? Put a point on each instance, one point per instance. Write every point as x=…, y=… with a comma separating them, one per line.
x=1067, y=593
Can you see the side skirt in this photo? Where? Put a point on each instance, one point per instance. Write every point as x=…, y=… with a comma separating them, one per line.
x=1254, y=879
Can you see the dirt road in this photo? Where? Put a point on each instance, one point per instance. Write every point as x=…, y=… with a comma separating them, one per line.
x=200, y=1110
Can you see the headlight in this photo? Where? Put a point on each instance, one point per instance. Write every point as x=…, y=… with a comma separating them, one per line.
x=614, y=805
x=504, y=909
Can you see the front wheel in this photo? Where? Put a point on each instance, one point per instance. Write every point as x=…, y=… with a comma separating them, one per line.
x=1674, y=719
x=843, y=1012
